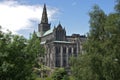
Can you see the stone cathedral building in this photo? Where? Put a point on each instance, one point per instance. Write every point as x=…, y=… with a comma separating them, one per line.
x=58, y=46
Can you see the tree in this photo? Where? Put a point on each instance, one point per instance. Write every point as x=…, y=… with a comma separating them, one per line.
x=117, y=6
x=35, y=51
x=14, y=64
x=96, y=37
x=91, y=60
x=34, y=48
x=101, y=59
x=18, y=56
x=111, y=60
x=60, y=74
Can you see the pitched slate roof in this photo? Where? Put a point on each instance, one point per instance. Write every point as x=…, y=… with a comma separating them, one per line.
x=48, y=32
x=39, y=34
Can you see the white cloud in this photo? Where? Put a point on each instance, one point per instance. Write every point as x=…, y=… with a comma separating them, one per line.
x=15, y=16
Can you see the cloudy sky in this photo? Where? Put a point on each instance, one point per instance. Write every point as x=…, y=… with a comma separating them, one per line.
x=23, y=16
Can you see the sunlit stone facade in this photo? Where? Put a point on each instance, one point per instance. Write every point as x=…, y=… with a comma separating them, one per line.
x=58, y=46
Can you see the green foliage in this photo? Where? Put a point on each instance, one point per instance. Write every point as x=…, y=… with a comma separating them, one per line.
x=97, y=22
x=111, y=59
x=34, y=47
x=17, y=56
x=117, y=6
x=101, y=59
x=48, y=78
x=60, y=74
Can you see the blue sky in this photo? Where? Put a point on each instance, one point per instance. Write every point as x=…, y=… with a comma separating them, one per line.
x=72, y=14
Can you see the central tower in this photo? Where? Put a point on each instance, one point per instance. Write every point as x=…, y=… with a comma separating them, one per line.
x=44, y=25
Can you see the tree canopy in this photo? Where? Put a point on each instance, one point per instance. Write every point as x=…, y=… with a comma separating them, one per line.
x=101, y=58
x=18, y=56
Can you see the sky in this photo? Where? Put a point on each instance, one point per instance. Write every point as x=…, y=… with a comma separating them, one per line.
x=23, y=16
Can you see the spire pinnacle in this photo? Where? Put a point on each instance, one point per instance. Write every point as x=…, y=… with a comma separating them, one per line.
x=59, y=22
x=44, y=18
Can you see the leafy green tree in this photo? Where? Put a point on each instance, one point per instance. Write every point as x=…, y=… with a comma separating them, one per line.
x=117, y=6
x=91, y=60
x=101, y=59
x=93, y=45
x=60, y=74
x=34, y=48
x=13, y=65
x=36, y=52
x=18, y=56
x=111, y=61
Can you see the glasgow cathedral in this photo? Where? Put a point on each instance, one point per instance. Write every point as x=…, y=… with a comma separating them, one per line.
x=58, y=46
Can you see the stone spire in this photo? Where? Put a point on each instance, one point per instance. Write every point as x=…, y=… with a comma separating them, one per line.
x=44, y=18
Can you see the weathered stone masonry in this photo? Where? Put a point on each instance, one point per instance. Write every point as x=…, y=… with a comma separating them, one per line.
x=58, y=46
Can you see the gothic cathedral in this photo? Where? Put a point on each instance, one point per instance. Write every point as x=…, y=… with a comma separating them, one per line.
x=58, y=46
